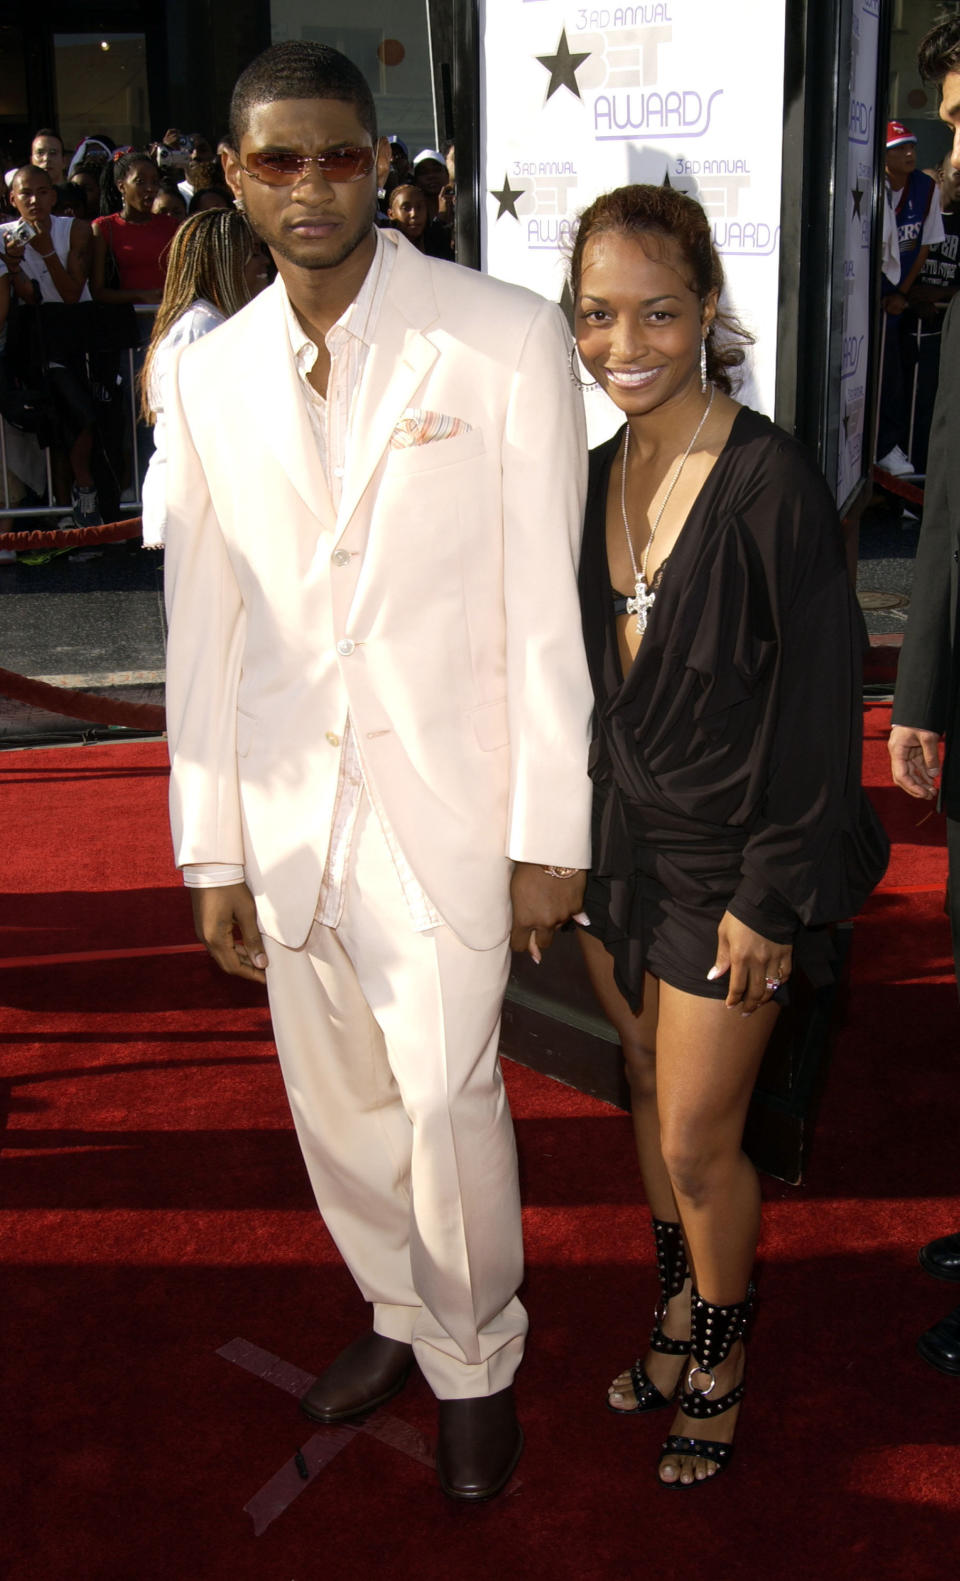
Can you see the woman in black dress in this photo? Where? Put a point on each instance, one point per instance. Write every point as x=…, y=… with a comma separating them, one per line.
x=729, y=824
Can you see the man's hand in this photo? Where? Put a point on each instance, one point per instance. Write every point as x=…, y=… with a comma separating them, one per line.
x=895, y=304
x=43, y=232
x=13, y=251
x=751, y=961
x=216, y=914
x=915, y=760
x=540, y=905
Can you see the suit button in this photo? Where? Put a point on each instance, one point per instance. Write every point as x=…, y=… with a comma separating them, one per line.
x=956, y=554
x=345, y=647
x=333, y=738
x=341, y=557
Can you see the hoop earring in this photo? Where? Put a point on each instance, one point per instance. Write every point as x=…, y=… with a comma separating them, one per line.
x=704, y=381
x=574, y=375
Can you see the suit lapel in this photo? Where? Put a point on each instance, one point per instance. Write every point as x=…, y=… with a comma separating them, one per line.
x=285, y=419
x=397, y=363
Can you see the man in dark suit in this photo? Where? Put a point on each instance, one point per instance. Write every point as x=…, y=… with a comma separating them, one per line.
x=926, y=707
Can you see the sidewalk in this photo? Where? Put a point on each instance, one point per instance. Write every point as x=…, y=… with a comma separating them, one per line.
x=98, y=625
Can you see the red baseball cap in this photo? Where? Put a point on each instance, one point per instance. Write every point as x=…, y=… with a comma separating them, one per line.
x=897, y=133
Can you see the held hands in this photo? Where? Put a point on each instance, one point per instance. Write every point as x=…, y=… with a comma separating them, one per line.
x=540, y=905
x=217, y=913
x=753, y=963
x=915, y=760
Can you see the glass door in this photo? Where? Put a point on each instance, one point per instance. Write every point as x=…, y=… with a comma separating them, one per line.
x=101, y=86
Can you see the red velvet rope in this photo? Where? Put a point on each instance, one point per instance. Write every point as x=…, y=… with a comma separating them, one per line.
x=61, y=699
x=81, y=705
x=72, y=537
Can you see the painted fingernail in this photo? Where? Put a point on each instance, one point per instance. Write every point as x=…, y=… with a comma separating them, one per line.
x=713, y=974
x=582, y=918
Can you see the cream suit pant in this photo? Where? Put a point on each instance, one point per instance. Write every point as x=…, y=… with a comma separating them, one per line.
x=388, y=1042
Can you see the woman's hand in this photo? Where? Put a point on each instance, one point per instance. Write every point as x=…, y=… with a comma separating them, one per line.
x=753, y=963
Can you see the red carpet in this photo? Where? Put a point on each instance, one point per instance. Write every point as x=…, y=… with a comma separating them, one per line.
x=155, y=1209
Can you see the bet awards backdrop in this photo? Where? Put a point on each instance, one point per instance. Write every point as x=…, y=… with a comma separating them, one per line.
x=858, y=288
x=579, y=99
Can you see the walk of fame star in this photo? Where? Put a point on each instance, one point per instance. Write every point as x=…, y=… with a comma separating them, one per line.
x=563, y=67
x=507, y=199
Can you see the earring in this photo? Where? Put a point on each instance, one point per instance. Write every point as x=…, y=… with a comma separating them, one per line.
x=704, y=381
x=574, y=375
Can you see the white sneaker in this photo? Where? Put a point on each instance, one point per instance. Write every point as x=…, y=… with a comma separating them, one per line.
x=86, y=507
x=896, y=463
x=8, y=556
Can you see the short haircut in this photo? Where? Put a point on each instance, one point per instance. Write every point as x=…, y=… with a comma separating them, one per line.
x=30, y=170
x=47, y=131
x=298, y=69
x=939, y=50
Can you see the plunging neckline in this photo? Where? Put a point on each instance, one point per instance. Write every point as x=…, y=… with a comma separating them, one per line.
x=615, y=592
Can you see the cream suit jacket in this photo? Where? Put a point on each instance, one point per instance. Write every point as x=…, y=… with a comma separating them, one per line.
x=438, y=608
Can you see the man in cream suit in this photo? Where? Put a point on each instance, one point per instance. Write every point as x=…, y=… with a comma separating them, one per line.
x=378, y=713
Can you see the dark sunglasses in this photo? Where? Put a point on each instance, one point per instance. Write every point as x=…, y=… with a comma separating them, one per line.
x=284, y=170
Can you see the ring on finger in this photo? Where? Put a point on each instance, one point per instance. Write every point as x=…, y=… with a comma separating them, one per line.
x=773, y=983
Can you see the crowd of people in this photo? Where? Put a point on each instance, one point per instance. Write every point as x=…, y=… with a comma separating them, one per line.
x=918, y=282
x=97, y=227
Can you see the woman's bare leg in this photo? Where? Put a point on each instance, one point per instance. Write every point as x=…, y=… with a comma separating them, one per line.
x=638, y=1039
x=707, y=1061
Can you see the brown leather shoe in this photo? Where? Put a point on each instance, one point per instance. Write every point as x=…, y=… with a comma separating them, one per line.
x=364, y=1376
x=479, y=1444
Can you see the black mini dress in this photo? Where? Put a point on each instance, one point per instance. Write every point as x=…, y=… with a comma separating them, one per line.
x=726, y=763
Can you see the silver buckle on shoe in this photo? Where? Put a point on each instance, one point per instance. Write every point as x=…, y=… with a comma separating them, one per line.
x=705, y=1372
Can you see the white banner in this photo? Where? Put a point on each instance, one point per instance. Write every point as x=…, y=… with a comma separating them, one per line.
x=858, y=287
x=577, y=100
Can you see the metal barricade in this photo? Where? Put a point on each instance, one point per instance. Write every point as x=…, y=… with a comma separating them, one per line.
x=131, y=496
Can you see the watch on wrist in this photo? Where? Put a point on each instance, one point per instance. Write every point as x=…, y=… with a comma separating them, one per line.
x=561, y=872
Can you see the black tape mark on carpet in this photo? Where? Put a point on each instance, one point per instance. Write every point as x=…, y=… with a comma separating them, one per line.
x=299, y=1471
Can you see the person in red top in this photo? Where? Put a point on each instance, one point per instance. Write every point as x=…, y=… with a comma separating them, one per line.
x=136, y=239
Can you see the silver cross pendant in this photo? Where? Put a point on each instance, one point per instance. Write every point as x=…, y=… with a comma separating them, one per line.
x=641, y=604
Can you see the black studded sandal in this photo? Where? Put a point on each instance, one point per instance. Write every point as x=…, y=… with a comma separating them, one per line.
x=673, y=1272
x=714, y=1331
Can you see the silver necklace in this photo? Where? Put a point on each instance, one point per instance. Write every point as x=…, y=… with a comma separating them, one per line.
x=643, y=599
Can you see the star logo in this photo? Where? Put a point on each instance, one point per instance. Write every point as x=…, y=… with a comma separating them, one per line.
x=847, y=420
x=857, y=196
x=507, y=199
x=563, y=67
